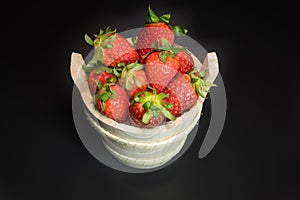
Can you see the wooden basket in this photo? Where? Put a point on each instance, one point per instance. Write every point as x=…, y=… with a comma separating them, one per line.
x=139, y=147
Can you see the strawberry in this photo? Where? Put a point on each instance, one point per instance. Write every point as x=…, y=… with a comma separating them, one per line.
x=136, y=117
x=111, y=100
x=111, y=48
x=160, y=72
x=184, y=91
x=161, y=66
x=154, y=30
x=98, y=74
x=174, y=101
x=148, y=110
x=197, y=80
x=133, y=78
x=186, y=62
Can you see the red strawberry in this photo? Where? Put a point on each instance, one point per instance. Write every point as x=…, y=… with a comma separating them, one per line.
x=174, y=101
x=200, y=85
x=148, y=110
x=133, y=78
x=112, y=48
x=155, y=29
x=112, y=101
x=182, y=93
x=97, y=74
x=137, y=113
x=160, y=68
x=150, y=34
x=185, y=89
x=186, y=62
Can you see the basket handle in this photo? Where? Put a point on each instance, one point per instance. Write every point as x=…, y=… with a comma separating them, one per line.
x=218, y=105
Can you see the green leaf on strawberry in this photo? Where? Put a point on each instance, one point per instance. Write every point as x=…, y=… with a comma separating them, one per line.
x=200, y=84
x=87, y=68
x=203, y=73
x=146, y=117
x=151, y=17
x=166, y=50
x=116, y=72
x=165, y=45
x=127, y=85
x=109, y=70
x=153, y=105
x=114, y=96
x=179, y=30
x=88, y=39
x=98, y=55
x=147, y=105
x=128, y=73
x=99, y=69
x=136, y=81
x=107, y=46
x=165, y=18
x=102, y=41
x=134, y=41
x=163, y=55
x=105, y=96
x=156, y=115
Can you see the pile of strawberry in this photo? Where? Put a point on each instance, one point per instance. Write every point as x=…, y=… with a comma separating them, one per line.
x=146, y=82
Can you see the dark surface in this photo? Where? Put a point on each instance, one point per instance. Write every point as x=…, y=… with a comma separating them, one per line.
x=256, y=156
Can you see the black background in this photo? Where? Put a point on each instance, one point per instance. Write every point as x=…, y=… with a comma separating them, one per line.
x=256, y=155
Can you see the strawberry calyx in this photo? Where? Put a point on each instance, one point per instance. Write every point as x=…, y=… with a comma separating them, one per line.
x=153, y=105
x=103, y=40
x=105, y=91
x=116, y=71
x=178, y=30
x=127, y=74
x=99, y=68
x=197, y=80
x=166, y=49
x=89, y=67
x=152, y=18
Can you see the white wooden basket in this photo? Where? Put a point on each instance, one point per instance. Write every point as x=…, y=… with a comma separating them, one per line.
x=139, y=147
